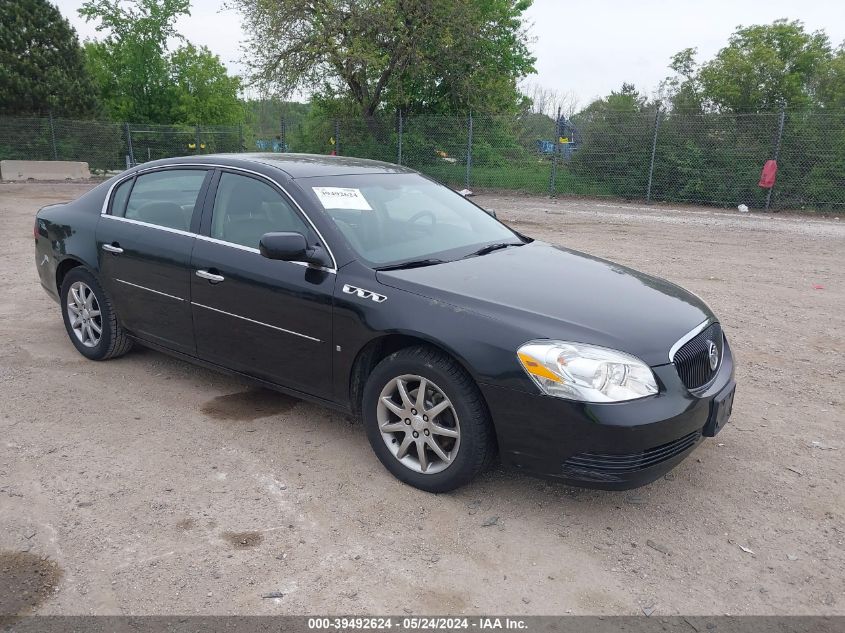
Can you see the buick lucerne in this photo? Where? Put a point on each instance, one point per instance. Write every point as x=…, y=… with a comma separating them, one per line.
x=369, y=288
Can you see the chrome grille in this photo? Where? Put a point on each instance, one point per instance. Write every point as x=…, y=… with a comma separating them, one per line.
x=692, y=360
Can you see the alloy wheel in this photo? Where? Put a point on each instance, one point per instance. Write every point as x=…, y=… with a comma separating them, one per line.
x=419, y=424
x=84, y=314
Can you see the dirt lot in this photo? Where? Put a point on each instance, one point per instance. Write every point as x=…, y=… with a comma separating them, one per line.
x=146, y=485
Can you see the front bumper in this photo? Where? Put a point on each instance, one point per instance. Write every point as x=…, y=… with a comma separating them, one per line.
x=611, y=446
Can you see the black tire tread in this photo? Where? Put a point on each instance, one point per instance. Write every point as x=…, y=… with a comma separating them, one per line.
x=484, y=448
x=119, y=341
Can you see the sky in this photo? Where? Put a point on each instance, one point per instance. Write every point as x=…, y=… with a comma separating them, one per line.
x=583, y=48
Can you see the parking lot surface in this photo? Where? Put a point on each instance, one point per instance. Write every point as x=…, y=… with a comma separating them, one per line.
x=146, y=485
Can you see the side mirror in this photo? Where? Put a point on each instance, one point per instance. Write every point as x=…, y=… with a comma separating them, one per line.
x=291, y=247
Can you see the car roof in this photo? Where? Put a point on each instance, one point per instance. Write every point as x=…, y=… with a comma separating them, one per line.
x=295, y=165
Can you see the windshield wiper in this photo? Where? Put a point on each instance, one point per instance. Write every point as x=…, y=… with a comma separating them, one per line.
x=414, y=263
x=492, y=247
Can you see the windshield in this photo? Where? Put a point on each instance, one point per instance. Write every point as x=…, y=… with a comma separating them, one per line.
x=394, y=218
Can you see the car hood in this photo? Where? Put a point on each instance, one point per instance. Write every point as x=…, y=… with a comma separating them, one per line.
x=557, y=293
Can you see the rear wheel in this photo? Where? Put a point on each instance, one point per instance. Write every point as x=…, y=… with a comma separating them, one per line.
x=89, y=318
x=426, y=420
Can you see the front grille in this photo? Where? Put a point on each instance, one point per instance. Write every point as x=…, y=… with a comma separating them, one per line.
x=604, y=467
x=692, y=360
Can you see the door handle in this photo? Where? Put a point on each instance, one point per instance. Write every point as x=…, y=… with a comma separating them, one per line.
x=112, y=248
x=215, y=279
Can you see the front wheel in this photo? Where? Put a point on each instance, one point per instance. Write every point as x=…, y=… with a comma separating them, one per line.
x=90, y=320
x=426, y=420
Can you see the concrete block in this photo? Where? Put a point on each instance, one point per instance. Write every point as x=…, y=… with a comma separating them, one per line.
x=43, y=170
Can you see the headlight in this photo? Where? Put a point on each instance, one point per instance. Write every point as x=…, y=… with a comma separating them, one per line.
x=586, y=372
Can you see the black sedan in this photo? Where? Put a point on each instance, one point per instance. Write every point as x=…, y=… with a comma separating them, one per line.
x=369, y=288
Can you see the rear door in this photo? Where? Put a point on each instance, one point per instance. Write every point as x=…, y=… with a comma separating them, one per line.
x=267, y=318
x=144, y=246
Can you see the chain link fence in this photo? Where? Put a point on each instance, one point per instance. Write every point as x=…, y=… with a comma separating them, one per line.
x=108, y=146
x=712, y=159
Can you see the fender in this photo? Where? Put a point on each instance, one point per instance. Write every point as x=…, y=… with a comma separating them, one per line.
x=59, y=247
x=359, y=321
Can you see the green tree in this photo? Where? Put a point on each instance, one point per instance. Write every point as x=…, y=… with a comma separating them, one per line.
x=832, y=91
x=436, y=56
x=205, y=92
x=763, y=68
x=683, y=90
x=710, y=150
x=130, y=63
x=266, y=114
x=615, y=106
x=141, y=80
x=615, y=141
x=42, y=67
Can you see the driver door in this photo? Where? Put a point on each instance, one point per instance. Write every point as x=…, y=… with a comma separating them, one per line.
x=267, y=318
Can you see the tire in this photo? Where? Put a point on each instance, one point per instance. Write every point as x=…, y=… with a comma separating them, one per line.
x=82, y=296
x=460, y=425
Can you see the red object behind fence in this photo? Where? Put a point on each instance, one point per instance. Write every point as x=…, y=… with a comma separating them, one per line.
x=768, y=175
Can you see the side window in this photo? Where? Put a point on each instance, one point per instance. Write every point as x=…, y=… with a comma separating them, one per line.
x=121, y=194
x=166, y=198
x=246, y=208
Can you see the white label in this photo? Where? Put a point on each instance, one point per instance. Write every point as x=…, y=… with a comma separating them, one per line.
x=342, y=198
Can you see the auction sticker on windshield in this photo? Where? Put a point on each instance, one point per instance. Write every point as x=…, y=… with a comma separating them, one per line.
x=342, y=198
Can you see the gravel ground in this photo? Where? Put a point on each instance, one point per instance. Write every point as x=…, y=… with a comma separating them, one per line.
x=146, y=485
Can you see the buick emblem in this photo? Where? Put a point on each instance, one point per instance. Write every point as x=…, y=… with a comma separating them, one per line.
x=713, y=355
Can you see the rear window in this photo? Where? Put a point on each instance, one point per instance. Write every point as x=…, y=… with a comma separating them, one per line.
x=121, y=195
x=165, y=198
